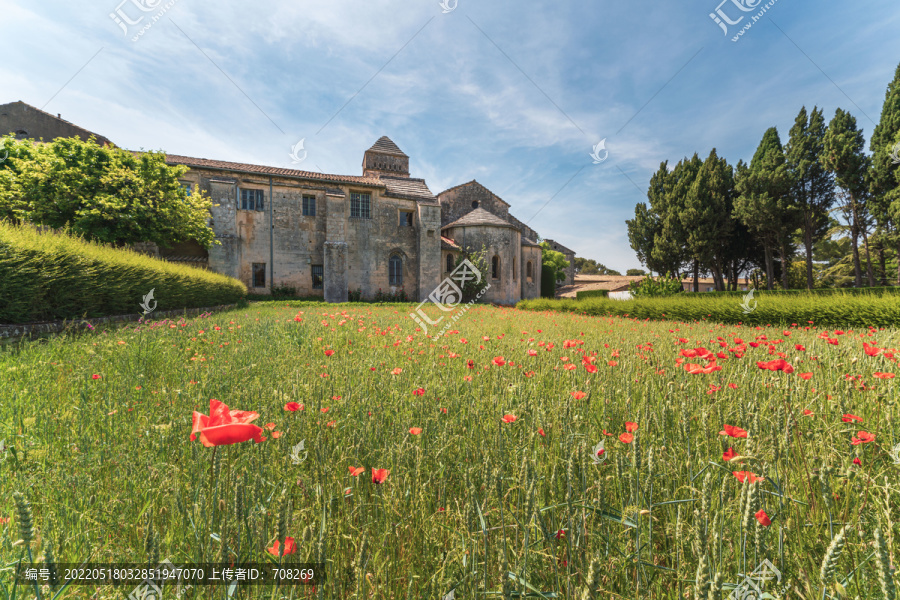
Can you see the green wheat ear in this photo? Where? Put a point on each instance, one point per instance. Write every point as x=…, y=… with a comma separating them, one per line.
x=25, y=517
x=882, y=562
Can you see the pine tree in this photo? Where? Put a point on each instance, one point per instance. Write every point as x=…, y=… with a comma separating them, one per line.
x=884, y=174
x=844, y=156
x=812, y=186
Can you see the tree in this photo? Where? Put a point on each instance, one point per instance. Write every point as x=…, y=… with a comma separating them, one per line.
x=645, y=227
x=763, y=203
x=635, y=272
x=884, y=173
x=844, y=157
x=707, y=216
x=812, y=186
x=105, y=194
x=670, y=247
x=555, y=260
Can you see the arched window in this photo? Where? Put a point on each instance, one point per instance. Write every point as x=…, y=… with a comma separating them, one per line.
x=449, y=262
x=515, y=275
x=495, y=267
x=395, y=271
x=529, y=274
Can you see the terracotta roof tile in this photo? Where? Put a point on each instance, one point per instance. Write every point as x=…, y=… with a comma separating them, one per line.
x=478, y=217
x=407, y=187
x=205, y=163
x=385, y=145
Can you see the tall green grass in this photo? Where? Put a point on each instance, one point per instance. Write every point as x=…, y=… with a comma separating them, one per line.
x=835, y=310
x=49, y=276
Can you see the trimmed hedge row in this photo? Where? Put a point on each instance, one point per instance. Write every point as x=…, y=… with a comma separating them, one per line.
x=592, y=294
x=848, y=310
x=49, y=276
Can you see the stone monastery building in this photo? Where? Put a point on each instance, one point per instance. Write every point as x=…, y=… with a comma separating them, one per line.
x=331, y=235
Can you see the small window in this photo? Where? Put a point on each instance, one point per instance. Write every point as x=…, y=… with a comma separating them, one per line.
x=318, y=277
x=252, y=199
x=449, y=262
x=259, y=275
x=188, y=188
x=361, y=206
x=406, y=218
x=515, y=276
x=395, y=268
x=495, y=267
x=529, y=274
x=21, y=134
x=309, y=206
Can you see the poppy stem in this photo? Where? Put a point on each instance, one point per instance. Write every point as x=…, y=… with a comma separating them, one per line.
x=212, y=468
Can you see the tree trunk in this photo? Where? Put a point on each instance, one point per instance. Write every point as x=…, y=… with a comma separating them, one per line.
x=784, y=266
x=869, y=272
x=770, y=269
x=854, y=245
x=898, y=260
x=883, y=261
x=696, y=276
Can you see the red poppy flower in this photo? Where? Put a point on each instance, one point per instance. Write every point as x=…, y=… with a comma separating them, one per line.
x=509, y=418
x=397, y=371
x=862, y=437
x=499, y=361
x=379, y=475
x=884, y=375
x=630, y=427
x=329, y=352
x=578, y=395
x=729, y=454
x=871, y=350
x=733, y=431
x=223, y=427
x=354, y=471
x=532, y=353
x=325, y=409
x=541, y=431
x=763, y=518
x=415, y=430
x=808, y=413
x=289, y=547
x=444, y=410
x=419, y=392
x=742, y=475
x=293, y=406
x=270, y=426
x=806, y=376
x=590, y=368
x=850, y=418
x=276, y=435
x=776, y=365
x=857, y=462
x=733, y=386
x=799, y=347
x=95, y=376
x=626, y=438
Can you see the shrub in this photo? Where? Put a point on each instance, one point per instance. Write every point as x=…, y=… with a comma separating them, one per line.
x=49, y=276
x=592, y=294
x=654, y=288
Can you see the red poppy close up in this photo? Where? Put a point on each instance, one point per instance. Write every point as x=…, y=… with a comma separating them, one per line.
x=733, y=431
x=379, y=475
x=293, y=406
x=863, y=437
x=289, y=547
x=415, y=430
x=742, y=475
x=354, y=471
x=850, y=418
x=224, y=427
x=626, y=438
x=630, y=427
x=763, y=518
x=509, y=418
x=729, y=454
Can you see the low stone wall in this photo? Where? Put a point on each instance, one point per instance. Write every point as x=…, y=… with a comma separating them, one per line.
x=13, y=333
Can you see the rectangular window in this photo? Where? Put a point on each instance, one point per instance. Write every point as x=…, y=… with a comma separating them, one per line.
x=252, y=199
x=309, y=206
x=188, y=188
x=406, y=218
x=318, y=277
x=360, y=205
x=259, y=275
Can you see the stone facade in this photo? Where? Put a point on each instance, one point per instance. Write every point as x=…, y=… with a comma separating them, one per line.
x=28, y=122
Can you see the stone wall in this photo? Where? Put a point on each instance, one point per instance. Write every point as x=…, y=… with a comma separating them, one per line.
x=457, y=202
x=16, y=117
x=503, y=243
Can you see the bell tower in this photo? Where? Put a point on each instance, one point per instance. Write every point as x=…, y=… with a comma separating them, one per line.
x=385, y=158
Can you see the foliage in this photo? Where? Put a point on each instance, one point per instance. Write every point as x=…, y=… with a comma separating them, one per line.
x=581, y=295
x=470, y=492
x=391, y=297
x=555, y=260
x=472, y=287
x=589, y=266
x=104, y=194
x=650, y=287
x=48, y=276
x=355, y=296
x=636, y=272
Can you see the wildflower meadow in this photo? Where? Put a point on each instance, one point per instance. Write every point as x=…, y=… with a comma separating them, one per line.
x=523, y=454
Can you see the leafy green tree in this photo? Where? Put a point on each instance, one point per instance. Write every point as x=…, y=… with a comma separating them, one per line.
x=844, y=157
x=671, y=245
x=471, y=288
x=555, y=260
x=105, y=194
x=644, y=229
x=884, y=175
x=763, y=204
x=707, y=216
x=812, y=186
x=635, y=272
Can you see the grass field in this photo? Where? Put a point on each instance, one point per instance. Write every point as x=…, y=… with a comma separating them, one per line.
x=495, y=486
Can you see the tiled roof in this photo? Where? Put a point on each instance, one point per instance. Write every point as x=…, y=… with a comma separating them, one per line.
x=474, y=182
x=407, y=187
x=385, y=145
x=205, y=163
x=478, y=217
x=448, y=244
x=527, y=242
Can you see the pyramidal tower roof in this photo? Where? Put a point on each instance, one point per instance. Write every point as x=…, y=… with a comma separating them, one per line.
x=386, y=145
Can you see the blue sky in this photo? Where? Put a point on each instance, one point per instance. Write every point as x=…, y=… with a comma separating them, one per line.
x=513, y=94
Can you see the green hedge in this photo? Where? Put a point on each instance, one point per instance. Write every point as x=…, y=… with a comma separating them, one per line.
x=592, y=294
x=879, y=291
x=55, y=276
x=835, y=310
